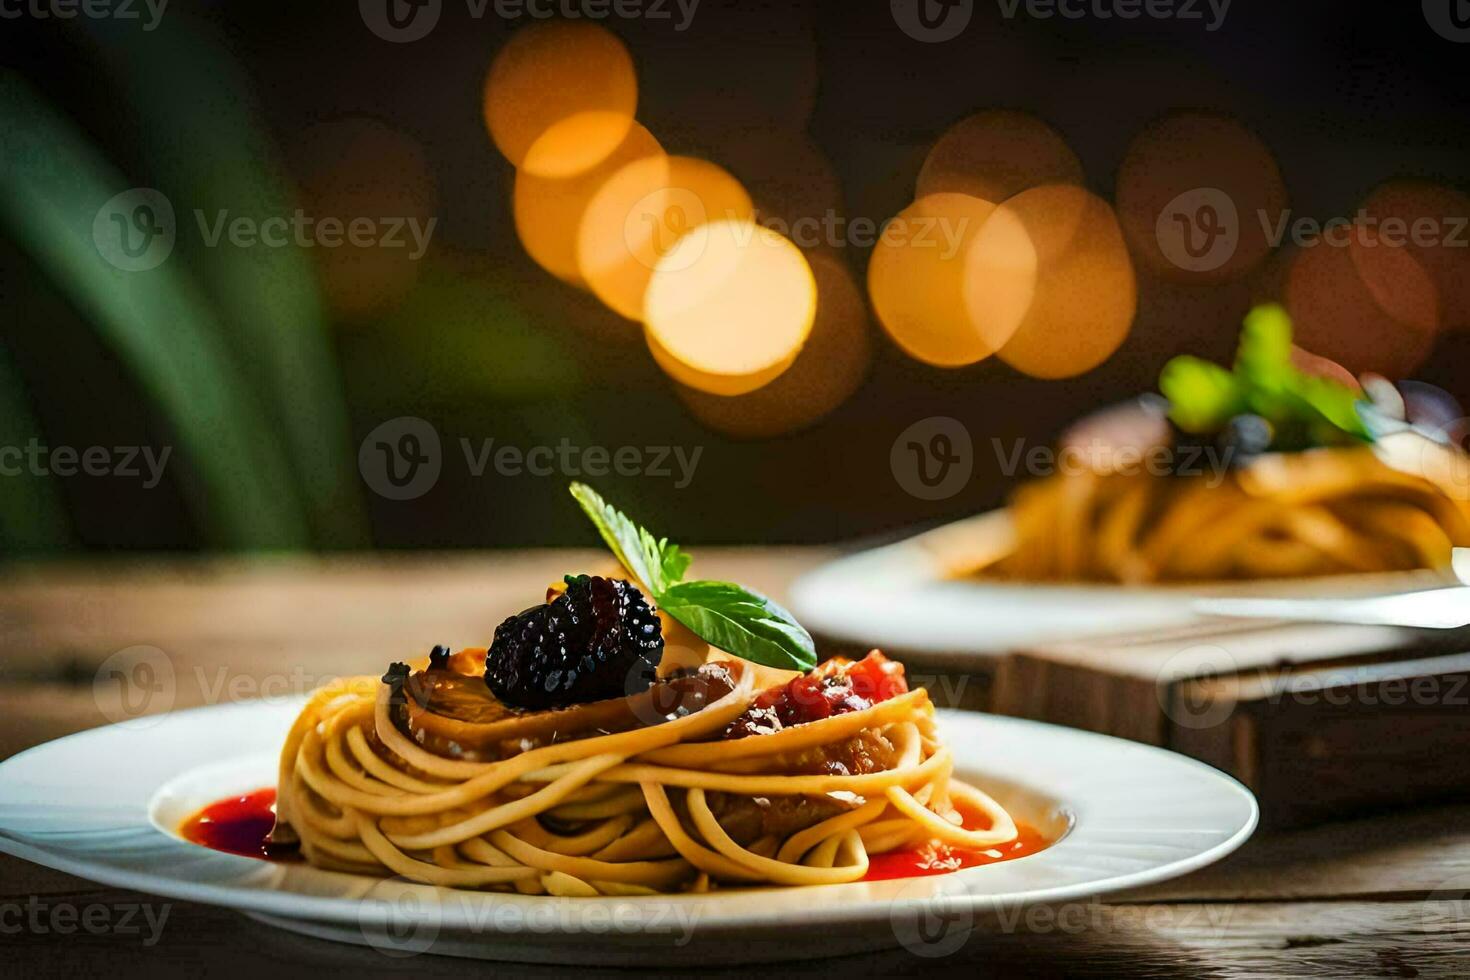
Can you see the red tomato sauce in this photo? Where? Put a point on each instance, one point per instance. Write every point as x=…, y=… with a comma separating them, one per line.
x=242, y=825
x=937, y=858
x=238, y=825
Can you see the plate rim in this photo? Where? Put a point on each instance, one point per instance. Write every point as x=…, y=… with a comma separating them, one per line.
x=869, y=596
x=840, y=909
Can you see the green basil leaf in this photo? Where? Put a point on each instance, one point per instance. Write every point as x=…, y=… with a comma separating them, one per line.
x=673, y=562
x=743, y=622
x=1335, y=402
x=653, y=561
x=1263, y=358
x=1202, y=396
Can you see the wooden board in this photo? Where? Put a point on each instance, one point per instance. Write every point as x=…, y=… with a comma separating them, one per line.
x=1319, y=720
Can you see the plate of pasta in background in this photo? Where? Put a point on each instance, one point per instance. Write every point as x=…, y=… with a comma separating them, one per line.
x=643, y=767
x=1280, y=475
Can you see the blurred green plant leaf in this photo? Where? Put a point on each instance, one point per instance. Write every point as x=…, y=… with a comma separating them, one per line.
x=32, y=513
x=208, y=150
x=53, y=189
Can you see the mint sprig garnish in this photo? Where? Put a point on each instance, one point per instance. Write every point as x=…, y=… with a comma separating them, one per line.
x=726, y=615
x=1304, y=409
x=653, y=561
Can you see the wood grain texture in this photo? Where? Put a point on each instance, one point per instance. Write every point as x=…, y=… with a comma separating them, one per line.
x=1377, y=896
x=235, y=629
x=1319, y=720
x=1413, y=937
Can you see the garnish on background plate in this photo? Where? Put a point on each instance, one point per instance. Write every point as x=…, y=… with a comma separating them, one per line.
x=1300, y=409
x=732, y=617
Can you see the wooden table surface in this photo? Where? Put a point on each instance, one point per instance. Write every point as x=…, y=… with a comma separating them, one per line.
x=1380, y=896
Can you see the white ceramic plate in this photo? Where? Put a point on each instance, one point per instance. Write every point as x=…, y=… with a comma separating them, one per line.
x=902, y=597
x=104, y=805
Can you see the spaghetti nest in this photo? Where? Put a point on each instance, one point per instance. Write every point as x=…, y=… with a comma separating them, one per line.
x=650, y=809
x=1319, y=512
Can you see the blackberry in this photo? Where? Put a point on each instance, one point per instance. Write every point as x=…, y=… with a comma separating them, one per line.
x=597, y=640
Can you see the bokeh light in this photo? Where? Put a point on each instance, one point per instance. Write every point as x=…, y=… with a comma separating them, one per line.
x=549, y=210
x=560, y=97
x=729, y=307
x=916, y=279
x=353, y=169
x=1196, y=194
x=640, y=213
x=1001, y=276
x=1433, y=222
x=1336, y=314
x=1086, y=292
x=1396, y=278
x=997, y=154
x=828, y=370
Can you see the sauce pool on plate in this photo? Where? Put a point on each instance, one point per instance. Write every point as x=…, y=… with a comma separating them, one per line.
x=242, y=825
x=937, y=858
x=238, y=825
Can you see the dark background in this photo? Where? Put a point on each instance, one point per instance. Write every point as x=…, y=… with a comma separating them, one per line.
x=487, y=344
